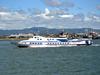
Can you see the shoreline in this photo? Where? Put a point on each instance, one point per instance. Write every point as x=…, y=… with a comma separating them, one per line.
x=12, y=39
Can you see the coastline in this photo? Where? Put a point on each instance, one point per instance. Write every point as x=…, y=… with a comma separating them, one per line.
x=18, y=39
x=61, y=35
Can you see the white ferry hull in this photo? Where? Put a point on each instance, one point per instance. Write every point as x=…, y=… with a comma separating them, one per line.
x=52, y=42
x=41, y=46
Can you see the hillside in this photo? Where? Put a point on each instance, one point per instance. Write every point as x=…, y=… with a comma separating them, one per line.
x=42, y=30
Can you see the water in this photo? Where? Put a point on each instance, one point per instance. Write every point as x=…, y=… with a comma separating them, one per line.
x=49, y=61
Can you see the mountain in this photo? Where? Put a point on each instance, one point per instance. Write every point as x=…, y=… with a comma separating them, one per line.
x=43, y=30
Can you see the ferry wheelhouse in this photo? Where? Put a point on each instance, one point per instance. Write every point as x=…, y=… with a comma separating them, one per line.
x=39, y=41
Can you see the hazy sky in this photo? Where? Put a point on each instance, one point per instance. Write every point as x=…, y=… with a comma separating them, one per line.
x=19, y=14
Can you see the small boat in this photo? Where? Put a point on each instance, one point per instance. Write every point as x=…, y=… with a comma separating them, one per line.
x=40, y=41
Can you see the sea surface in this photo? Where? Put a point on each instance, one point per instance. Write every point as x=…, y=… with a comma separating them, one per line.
x=81, y=60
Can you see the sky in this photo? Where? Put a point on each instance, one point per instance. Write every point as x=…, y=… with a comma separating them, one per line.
x=20, y=14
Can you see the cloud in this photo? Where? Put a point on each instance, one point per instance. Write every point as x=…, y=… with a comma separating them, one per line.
x=94, y=17
x=50, y=18
x=57, y=12
x=68, y=4
x=62, y=4
x=98, y=7
x=66, y=16
x=53, y=3
x=79, y=17
x=4, y=9
x=15, y=15
x=45, y=15
x=4, y=13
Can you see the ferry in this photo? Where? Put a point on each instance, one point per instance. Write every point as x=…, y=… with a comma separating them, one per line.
x=40, y=41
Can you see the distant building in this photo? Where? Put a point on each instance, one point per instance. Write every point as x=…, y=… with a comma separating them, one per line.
x=62, y=34
x=29, y=35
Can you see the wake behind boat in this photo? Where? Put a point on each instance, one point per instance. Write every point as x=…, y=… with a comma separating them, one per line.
x=39, y=41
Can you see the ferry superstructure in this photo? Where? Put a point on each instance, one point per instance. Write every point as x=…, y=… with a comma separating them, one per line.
x=39, y=41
